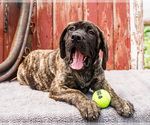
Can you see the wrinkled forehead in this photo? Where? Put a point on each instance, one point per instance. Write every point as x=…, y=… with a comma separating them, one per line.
x=84, y=25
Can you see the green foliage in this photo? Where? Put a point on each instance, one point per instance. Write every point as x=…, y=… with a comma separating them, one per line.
x=147, y=47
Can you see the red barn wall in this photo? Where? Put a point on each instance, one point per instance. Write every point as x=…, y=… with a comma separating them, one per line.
x=50, y=18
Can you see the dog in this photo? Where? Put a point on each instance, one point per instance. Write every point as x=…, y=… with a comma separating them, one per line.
x=70, y=71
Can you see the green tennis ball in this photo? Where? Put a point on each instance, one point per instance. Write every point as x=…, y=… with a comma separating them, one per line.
x=102, y=98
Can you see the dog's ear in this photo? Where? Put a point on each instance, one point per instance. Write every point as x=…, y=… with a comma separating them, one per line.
x=104, y=47
x=62, y=42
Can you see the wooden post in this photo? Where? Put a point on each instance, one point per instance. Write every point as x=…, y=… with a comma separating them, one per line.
x=137, y=37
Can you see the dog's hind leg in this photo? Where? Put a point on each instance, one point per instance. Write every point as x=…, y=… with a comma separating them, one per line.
x=20, y=77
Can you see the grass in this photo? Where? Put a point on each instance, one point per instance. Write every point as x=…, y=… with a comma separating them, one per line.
x=147, y=47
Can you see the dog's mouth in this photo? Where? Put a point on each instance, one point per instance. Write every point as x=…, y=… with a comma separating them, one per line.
x=77, y=60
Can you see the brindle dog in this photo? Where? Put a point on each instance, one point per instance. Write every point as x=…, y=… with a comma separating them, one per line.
x=67, y=73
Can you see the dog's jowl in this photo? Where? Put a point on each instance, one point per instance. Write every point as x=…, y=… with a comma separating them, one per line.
x=68, y=72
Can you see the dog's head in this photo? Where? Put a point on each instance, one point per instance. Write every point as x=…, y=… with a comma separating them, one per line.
x=80, y=44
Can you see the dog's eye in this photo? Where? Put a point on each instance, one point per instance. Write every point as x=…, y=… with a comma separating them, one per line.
x=72, y=28
x=91, y=32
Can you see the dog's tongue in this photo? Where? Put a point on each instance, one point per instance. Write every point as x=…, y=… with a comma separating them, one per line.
x=77, y=60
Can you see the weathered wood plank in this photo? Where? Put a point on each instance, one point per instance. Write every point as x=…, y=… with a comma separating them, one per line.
x=105, y=22
x=121, y=37
x=90, y=11
x=13, y=14
x=74, y=10
x=50, y=18
x=45, y=24
x=34, y=27
x=59, y=20
x=129, y=32
x=1, y=30
x=137, y=34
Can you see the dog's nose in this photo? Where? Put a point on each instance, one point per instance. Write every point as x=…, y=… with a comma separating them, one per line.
x=76, y=37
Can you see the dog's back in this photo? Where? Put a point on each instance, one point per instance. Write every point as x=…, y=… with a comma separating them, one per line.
x=36, y=70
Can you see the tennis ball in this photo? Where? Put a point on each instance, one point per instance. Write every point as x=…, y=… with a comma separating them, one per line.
x=102, y=98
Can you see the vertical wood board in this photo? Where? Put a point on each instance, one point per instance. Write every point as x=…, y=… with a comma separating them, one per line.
x=1, y=30
x=45, y=25
x=59, y=20
x=105, y=23
x=74, y=9
x=13, y=14
x=33, y=27
x=90, y=11
x=121, y=37
x=137, y=34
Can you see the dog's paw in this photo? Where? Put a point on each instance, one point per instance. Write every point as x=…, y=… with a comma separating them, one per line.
x=89, y=110
x=124, y=108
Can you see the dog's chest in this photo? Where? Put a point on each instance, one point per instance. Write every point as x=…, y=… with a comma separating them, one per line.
x=82, y=80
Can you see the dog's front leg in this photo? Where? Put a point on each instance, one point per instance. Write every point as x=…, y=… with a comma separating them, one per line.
x=88, y=109
x=122, y=106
